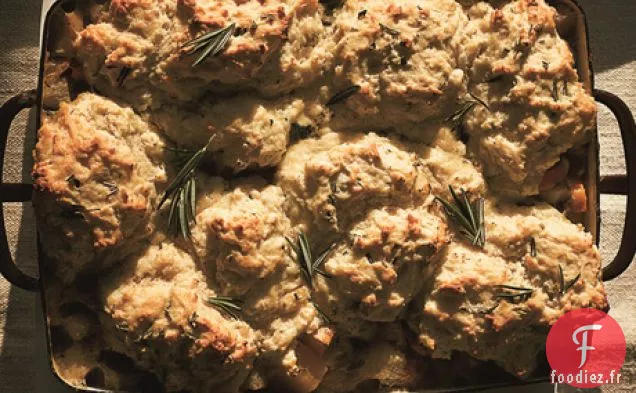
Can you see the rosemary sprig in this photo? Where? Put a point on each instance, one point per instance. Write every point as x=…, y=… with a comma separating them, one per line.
x=469, y=217
x=182, y=194
x=226, y=304
x=512, y=292
x=209, y=44
x=308, y=265
x=457, y=118
x=566, y=285
x=343, y=95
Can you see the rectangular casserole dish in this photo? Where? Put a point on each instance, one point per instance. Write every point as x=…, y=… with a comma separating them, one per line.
x=572, y=28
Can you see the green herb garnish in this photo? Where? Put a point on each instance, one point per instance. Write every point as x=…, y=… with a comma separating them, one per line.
x=555, y=90
x=468, y=216
x=457, y=118
x=209, y=44
x=512, y=292
x=308, y=265
x=182, y=194
x=322, y=315
x=226, y=304
x=343, y=95
x=533, y=248
x=566, y=285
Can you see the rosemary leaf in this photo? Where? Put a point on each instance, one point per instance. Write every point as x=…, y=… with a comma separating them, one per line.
x=479, y=100
x=209, y=44
x=512, y=292
x=566, y=285
x=180, y=155
x=322, y=315
x=572, y=282
x=555, y=90
x=226, y=304
x=308, y=266
x=457, y=118
x=469, y=217
x=533, y=248
x=343, y=95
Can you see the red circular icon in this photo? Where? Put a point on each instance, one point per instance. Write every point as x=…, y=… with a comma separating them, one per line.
x=585, y=349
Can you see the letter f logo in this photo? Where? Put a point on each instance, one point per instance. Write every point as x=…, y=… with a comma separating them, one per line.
x=584, y=347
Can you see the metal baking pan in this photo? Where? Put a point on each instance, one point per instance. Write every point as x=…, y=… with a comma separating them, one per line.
x=573, y=28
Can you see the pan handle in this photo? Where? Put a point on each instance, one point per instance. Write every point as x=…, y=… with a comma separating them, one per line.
x=13, y=192
x=621, y=184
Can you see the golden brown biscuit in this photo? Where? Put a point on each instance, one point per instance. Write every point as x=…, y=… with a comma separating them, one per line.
x=270, y=46
x=158, y=303
x=466, y=308
x=332, y=182
x=536, y=107
x=402, y=55
x=373, y=273
x=96, y=174
x=240, y=237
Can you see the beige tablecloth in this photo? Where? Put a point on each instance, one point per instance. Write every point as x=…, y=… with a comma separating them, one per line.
x=613, y=42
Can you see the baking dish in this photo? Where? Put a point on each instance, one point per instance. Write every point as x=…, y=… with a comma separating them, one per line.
x=572, y=29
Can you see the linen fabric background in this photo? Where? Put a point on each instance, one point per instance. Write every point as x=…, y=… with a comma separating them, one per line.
x=23, y=363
